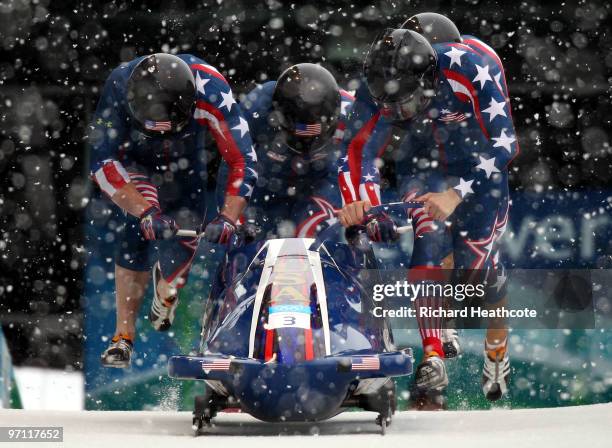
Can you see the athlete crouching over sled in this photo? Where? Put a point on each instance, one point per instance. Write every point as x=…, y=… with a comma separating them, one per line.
x=296, y=123
x=448, y=90
x=147, y=142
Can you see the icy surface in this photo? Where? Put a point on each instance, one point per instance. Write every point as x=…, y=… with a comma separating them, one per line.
x=541, y=428
x=55, y=389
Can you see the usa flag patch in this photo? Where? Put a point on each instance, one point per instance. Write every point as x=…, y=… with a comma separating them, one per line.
x=216, y=364
x=365, y=363
x=452, y=116
x=307, y=130
x=158, y=125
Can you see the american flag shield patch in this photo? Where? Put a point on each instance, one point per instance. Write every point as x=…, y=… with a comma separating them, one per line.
x=222, y=364
x=158, y=125
x=452, y=116
x=307, y=130
x=365, y=363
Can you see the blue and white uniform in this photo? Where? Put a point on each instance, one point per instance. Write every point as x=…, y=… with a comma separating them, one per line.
x=465, y=140
x=294, y=195
x=168, y=170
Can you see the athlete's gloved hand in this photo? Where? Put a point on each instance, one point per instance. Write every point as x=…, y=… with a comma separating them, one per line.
x=355, y=233
x=381, y=228
x=249, y=232
x=155, y=226
x=220, y=230
x=357, y=236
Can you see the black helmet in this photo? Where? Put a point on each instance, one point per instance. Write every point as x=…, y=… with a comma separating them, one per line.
x=400, y=69
x=435, y=27
x=306, y=104
x=161, y=94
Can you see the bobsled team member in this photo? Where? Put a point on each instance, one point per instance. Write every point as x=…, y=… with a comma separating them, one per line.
x=147, y=140
x=296, y=123
x=452, y=94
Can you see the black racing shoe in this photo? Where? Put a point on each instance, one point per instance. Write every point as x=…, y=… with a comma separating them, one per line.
x=161, y=314
x=430, y=382
x=450, y=343
x=431, y=374
x=495, y=374
x=119, y=352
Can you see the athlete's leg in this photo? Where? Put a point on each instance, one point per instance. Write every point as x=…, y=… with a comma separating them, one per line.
x=431, y=254
x=133, y=262
x=497, y=332
x=130, y=289
x=175, y=257
x=476, y=234
x=134, y=258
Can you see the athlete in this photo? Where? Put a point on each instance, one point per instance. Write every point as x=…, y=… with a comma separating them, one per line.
x=148, y=157
x=297, y=124
x=451, y=99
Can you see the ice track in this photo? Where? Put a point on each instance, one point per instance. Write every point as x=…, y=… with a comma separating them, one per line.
x=556, y=428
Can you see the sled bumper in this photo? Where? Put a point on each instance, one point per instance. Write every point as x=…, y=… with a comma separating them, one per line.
x=224, y=368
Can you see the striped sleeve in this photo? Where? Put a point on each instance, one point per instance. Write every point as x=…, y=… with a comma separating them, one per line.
x=106, y=134
x=111, y=176
x=217, y=110
x=476, y=77
x=365, y=139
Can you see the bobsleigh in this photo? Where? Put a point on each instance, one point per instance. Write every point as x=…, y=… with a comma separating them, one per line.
x=288, y=335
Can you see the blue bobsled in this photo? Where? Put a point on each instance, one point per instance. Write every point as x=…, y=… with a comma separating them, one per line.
x=288, y=335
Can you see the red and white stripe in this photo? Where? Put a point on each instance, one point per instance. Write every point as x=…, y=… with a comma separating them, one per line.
x=465, y=91
x=339, y=132
x=347, y=189
x=208, y=115
x=430, y=328
x=347, y=95
x=355, y=150
x=209, y=69
x=370, y=191
x=145, y=188
x=111, y=176
x=463, y=47
x=421, y=221
x=178, y=278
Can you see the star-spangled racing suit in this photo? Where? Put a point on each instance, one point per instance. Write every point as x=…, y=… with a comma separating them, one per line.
x=464, y=140
x=169, y=170
x=294, y=195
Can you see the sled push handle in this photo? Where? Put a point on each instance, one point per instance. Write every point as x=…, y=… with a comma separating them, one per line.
x=383, y=208
x=189, y=233
x=195, y=234
x=391, y=207
x=394, y=207
x=397, y=207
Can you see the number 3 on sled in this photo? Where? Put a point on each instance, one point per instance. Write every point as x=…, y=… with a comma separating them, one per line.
x=288, y=316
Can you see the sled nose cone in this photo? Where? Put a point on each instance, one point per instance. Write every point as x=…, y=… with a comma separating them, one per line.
x=295, y=393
